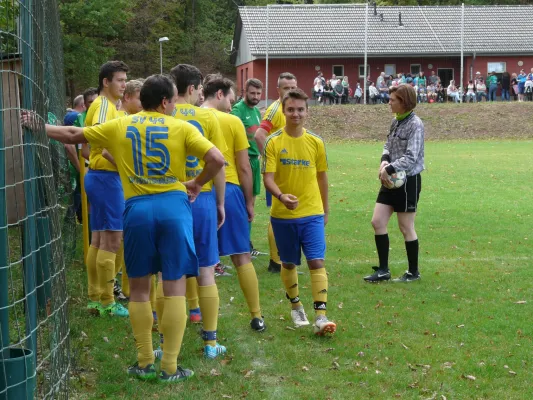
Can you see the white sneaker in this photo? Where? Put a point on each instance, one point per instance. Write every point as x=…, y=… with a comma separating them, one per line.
x=299, y=317
x=323, y=326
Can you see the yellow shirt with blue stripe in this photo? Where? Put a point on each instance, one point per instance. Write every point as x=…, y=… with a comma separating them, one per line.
x=101, y=110
x=236, y=140
x=207, y=124
x=150, y=150
x=274, y=119
x=295, y=163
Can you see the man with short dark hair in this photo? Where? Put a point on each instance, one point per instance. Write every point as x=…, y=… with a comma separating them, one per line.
x=294, y=168
x=274, y=120
x=105, y=194
x=246, y=110
x=234, y=235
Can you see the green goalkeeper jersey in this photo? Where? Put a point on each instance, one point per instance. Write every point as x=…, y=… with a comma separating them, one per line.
x=251, y=118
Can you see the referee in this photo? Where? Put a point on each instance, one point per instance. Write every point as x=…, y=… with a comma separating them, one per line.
x=403, y=151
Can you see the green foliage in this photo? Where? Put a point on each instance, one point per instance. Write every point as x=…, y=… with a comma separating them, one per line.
x=8, y=27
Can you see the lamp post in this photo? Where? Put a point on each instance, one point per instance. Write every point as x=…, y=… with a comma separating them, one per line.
x=161, y=40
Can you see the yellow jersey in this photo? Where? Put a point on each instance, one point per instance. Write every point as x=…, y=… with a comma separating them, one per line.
x=122, y=113
x=274, y=119
x=102, y=110
x=150, y=150
x=236, y=140
x=207, y=123
x=295, y=163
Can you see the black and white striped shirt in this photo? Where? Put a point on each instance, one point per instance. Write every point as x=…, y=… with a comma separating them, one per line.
x=404, y=149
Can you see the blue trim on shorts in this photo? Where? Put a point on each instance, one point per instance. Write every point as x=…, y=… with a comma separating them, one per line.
x=234, y=235
x=204, y=216
x=294, y=235
x=106, y=197
x=158, y=236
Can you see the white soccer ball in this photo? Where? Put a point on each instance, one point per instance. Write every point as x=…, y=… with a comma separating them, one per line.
x=398, y=179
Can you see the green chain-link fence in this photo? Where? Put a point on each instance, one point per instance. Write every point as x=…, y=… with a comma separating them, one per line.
x=37, y=222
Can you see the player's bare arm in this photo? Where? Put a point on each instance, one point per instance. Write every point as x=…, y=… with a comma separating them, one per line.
x=244, y=171
x=220, y=189
x=322, y=178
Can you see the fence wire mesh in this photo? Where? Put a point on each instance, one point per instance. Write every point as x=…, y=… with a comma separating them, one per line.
x=37, y=216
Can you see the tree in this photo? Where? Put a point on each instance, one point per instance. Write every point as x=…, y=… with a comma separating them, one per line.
x=8, y=28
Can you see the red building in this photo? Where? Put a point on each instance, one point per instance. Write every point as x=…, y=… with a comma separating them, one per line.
x=305, y=39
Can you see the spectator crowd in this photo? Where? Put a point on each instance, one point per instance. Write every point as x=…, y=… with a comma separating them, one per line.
x=337, y=89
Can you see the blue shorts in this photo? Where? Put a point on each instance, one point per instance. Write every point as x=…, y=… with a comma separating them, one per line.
x=294, y=235
x=234, y=235
x=158, y=236
x=204, y=216
x=106, y=197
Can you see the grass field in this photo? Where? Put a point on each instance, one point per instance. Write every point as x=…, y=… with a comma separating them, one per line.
x=462, y=332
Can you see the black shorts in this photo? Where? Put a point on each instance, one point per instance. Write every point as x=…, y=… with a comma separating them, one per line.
x=403, y=199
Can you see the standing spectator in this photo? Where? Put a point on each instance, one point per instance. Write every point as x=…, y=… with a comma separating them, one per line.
x=521, y=84
x=358, y=95
x=422, y=81
x=471, y=92
x=506, y=86
x=514, y=86
x=453, y=92
x=434, y=79
x=481, y=90
x=320, y=79
x=333, y=80
x=384, y=91
x=492, y=83
x=79, y=107
x=381, y=78
x=403, y=151
x=338, y=91
x=373, y=93
x=528, y=88
x=346, y=93
x=402, y=78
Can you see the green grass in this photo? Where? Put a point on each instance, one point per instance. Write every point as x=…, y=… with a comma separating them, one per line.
x=415, y=341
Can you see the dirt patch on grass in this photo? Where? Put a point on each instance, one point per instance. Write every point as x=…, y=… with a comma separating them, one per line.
x=442, y=121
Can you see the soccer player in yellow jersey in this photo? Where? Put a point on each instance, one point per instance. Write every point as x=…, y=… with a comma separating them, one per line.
x=131, y=101
x=274, y=120
x=105, y=194
x=234, y=235
x=294, y=168
x=208, y=209
x=150, y=149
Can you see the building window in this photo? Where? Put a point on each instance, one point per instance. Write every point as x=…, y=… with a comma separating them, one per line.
x=390, y=69
x=415, y=69
x=497, y=67
x=362, y=70
x=338, y=70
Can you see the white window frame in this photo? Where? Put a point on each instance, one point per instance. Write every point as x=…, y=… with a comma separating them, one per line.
x=411, y=68
x=333, y=70
x=363, y=67
x=393, y=73
x=489, y=69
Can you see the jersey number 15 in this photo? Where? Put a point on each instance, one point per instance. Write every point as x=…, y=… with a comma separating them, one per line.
x=154, y=149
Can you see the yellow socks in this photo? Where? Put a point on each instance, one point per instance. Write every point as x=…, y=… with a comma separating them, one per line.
x=125, y=282
x=159, y=307
x=105, y=264
x=274, y=256
x=153, y=292
x=289, y=277
x=141, y=323
x=92, y=274
x=192, y=293
x=209, y=302
x=250, y=288
x=319, y=287
x=173, y=327
x=119, y=260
